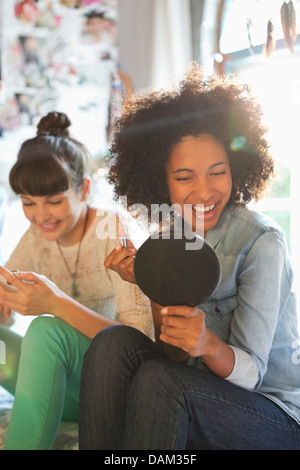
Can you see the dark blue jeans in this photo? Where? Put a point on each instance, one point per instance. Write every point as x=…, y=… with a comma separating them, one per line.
x=132, y=397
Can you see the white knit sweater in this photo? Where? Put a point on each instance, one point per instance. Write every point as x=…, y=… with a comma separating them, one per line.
x=100, y=289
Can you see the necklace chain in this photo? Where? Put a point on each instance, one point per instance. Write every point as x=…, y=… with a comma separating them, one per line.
x=75, y=292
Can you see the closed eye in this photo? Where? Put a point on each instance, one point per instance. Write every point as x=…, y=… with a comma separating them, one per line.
x=27, y=204
x=55, y=202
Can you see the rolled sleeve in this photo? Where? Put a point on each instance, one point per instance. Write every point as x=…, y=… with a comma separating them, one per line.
x=264, y=286
x=244, y=373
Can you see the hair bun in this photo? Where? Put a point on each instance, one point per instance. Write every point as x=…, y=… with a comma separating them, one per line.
x=55, y=124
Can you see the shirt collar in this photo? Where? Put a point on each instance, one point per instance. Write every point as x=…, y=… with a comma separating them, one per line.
x=214, y=235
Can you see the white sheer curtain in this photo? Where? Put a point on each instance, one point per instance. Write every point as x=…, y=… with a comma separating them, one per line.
x=155, y=40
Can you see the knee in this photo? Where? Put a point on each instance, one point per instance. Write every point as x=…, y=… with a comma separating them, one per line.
x=41, y=326
x=154, y=384
x=152, y=375
x=112, y=341
x=118, y=348
x=41, y=332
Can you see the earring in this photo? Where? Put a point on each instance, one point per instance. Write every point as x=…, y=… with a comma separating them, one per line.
x=86, y=186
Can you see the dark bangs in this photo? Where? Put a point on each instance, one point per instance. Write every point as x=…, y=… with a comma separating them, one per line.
x=40, y=174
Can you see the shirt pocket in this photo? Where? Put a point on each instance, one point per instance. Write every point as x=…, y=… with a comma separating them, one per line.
x=220, y=306
x=219, y=313
x=225, y=305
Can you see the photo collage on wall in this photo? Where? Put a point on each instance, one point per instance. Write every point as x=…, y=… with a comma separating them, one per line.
x=60, y=54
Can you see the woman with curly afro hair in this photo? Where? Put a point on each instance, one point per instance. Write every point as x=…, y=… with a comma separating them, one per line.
x=237, y=385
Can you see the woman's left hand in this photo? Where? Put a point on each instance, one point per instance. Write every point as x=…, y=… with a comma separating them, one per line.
x=184, y=327
x=121, y=260
x=35, y=296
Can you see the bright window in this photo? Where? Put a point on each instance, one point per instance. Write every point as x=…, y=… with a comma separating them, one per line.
x=276, y=82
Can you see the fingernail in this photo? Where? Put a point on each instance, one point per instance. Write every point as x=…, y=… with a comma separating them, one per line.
x=15, y=272
x=164, y=310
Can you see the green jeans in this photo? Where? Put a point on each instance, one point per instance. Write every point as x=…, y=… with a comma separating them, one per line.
x=42, y=370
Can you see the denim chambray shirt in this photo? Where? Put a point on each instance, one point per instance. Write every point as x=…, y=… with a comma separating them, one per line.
x=253, y=308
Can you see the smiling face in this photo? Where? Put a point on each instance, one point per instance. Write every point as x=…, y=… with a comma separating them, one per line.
x=58, y=216
x=198, y=172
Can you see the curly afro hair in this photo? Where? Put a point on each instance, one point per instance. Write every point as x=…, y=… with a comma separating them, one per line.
x=154, y=122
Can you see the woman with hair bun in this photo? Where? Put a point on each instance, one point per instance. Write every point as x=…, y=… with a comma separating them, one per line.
x=61, y=258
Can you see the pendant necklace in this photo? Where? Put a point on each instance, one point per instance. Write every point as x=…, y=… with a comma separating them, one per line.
x=75, y=292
